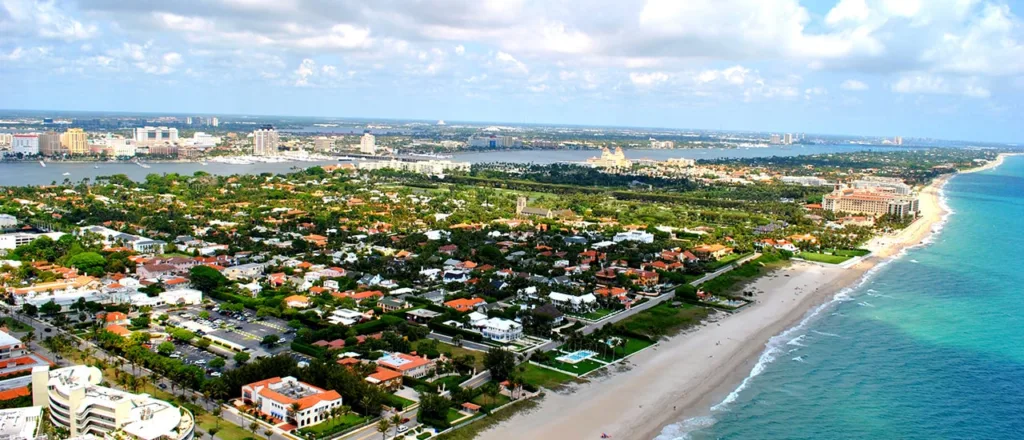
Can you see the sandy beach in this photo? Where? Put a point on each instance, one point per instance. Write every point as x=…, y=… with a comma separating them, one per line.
x=688, y=374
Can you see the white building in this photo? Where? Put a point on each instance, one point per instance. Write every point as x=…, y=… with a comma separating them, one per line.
x=80, y=405
x=114, y=238
x=20, y=423
x=345, y=317
x=574, y=304
x=886, y=183
x=204, y=140
x=498, y=329
x=214, y=121
x=15, y=239
x=8, y=221
x=638, y=236
x=150, y=135
x=120, y=147
x=787, y=139
x=276, y=396
x=429, y=167
x=805, y=180
x=265, y=141
x=6, y=139
x=248, y=270
x=25, y=144
x=368, y=144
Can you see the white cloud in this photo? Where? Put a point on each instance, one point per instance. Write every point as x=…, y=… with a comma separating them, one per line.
x=45, y=19
x=854, y=85
x=925, y=83
x=306, y=69
x=460, y=50
x=511, y=62
x=649, y=79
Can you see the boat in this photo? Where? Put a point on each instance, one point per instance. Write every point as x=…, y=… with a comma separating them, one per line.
x=203, y=163
x=66, y=174
x=96, y=166
x=141, y=164
x=43, y=164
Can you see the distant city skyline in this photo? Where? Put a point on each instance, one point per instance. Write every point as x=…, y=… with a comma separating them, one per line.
x=947, y=69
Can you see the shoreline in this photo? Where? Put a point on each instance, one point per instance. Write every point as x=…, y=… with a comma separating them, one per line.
x=718, y=358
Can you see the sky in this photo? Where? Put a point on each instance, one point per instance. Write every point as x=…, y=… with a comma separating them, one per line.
x=948, y=69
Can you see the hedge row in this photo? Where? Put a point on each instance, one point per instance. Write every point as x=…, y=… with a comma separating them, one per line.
x=452, y=331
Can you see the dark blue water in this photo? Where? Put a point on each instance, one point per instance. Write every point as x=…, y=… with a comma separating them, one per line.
x=931, y=346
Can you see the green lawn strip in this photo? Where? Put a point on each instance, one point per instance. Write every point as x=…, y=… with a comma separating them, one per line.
x=663, y=319
x=632, y=345
x=490, y=402
x=597, y=314
x=453, y=415
x=580, y=368
x=337, y=424
x=458, y=351
x=450, y=381
x=471, y=430
x=711, y=267
x=851, y=252
x=393, y=400
x=542, y=377
x=733, y=280
x=226, y=430
x=14, y=325
x=823, y=258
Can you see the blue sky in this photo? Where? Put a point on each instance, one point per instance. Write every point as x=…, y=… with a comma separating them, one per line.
x=951, y=69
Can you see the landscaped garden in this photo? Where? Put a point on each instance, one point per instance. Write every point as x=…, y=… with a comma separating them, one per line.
x=598, y=314
x=664, y=319
x=824, y=258
x=632, y=345
x=580, y=368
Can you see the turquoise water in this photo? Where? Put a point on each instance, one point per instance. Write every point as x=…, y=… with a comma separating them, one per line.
x=930, y=346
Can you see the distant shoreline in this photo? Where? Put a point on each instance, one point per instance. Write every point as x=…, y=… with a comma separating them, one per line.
x=690, y=373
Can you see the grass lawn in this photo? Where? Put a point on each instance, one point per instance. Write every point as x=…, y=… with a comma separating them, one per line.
x=456, y=351
x=633, y=345
x=724, y=261
x=851, y=252
x=824, y=258
x=490, y=401
x=450, y=381
x=663, y=319
x=335, y=425
x=542, y=377
x=392, y=400
x=581, y=367
x=454, y=415
x=597, y=314
x=15, y=325
x=227, y=430
x=734, y=280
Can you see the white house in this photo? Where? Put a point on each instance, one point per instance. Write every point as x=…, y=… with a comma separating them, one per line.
x=637, y=236
x=276, y=396
x=575, y=304
x=498, y=329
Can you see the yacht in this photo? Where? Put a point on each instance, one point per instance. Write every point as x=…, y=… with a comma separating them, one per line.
x=42, y=164
x=66, y=174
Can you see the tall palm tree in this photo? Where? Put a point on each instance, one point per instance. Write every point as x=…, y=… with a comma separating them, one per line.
x=293, y=412
x=382, y=427
x=396, y=420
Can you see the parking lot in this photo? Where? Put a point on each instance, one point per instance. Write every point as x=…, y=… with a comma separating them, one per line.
x=241, y=328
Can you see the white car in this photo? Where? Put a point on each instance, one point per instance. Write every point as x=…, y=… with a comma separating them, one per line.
x=403, y=428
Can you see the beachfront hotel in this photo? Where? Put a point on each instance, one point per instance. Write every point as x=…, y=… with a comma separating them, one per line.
x=870, y=201
x=277, y=397
x=80, y=405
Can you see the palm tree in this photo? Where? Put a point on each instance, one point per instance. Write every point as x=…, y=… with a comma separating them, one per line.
x=293, y=412
x=253, y=426
x=29, y=337
x=396, y=420
x=213, y=432
x=457, y=340
x=382, y=427
x=216, y=416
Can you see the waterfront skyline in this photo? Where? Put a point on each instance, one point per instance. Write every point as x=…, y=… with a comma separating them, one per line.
x=853, y=67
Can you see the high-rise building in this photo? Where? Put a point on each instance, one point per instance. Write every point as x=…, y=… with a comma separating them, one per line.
x=145, y=135
x=323, y=143
x=788, y=139
x=775, y=139
x=898, y=140
x=368, y=144
x=6, y=139
x=188, y=120
x=49, y=144
x=265, y=141
x=25, y=144
x=74, y=141
x=214, y=121
x=79, y=405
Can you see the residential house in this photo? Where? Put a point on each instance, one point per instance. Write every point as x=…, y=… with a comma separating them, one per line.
x=574, y=304
x=408, y=365
x=464, y=305
x=276, y=397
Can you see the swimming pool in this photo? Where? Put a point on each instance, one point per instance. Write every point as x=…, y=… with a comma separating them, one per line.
x=576, y=356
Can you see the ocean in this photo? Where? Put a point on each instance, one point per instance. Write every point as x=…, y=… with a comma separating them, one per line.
x=929, y=346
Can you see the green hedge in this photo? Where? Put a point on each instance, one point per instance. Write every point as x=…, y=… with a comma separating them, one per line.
x=377, y=325
x=452, y=331
x=309, y=349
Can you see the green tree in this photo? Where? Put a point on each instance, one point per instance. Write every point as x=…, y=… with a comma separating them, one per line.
x=500, y=362
x=241, y=357
x=50, y=308
x=165, y=348
x=206, y=278
x=217, y=362
x=686, y=292
x=91, y=263
x=29, y=309
x=270, y=340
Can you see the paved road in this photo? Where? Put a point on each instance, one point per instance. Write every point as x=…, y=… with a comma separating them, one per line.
x=369, y=432
x=465, y=344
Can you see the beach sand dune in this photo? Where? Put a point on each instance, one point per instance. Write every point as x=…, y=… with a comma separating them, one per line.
x=684, y=376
